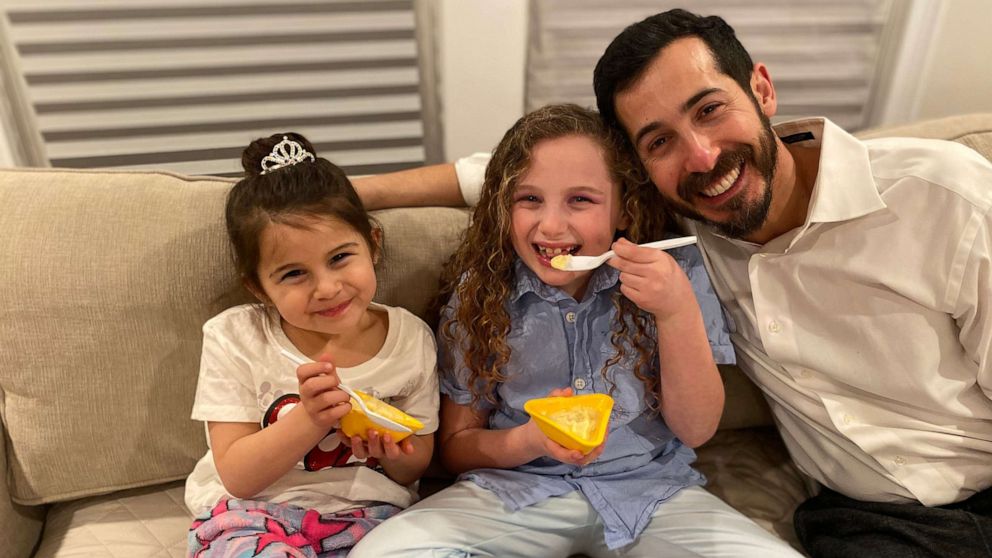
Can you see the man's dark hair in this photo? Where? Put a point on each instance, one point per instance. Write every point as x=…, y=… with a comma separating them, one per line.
x=630, y=53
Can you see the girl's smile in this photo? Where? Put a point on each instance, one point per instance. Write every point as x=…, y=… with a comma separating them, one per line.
x=319, y=275
x=565, y=203
x=545, y=253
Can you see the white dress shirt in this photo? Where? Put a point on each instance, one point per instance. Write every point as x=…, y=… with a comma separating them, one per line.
x=869, y=327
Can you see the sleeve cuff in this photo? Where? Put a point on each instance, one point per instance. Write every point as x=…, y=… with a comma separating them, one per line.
x=471, y=172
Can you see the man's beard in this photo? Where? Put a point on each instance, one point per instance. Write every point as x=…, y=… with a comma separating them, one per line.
x=748, y=216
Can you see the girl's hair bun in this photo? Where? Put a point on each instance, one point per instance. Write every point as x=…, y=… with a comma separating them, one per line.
x=251, y=157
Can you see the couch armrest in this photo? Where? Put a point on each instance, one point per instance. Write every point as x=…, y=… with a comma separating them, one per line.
x=21, y=524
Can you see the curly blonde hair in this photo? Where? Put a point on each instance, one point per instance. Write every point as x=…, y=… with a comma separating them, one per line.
x=481, y=271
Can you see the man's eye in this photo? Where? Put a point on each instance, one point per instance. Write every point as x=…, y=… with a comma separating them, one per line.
x=656, y=143
x=708, y=109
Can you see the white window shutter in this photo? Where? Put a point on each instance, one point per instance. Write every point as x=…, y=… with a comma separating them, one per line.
x=184, y=85
x=825, y=58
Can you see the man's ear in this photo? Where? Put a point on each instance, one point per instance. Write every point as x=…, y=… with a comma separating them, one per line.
x=764, y=90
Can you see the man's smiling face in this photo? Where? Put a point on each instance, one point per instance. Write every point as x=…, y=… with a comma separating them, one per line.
x=706, y=143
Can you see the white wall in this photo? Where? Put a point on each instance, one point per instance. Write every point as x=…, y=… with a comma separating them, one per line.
x=957, y=78
x=481, y=62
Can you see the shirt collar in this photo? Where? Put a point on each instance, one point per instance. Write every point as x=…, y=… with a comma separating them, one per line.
x=845, y=188
x=603, y=278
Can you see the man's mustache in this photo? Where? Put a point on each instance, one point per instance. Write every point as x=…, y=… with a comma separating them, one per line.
x=728, y=160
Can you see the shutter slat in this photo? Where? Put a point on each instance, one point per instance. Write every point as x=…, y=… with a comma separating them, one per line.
x=316, y=134
x=267, y=56
x=233, y=113
x=178, y=87
x=193, y=27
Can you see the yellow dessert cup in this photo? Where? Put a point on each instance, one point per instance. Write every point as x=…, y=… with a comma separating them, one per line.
x=357, y=423
x=578, y=422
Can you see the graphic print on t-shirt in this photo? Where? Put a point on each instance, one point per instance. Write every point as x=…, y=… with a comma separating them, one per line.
x=329, y=452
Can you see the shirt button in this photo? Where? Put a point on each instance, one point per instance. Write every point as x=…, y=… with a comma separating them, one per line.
x=579, y=383
x=774, y=326
x=570, y=317
x=899, y=460
x=848, y=419
x=805, y=373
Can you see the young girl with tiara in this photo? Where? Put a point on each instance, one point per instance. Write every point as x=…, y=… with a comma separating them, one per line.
x=515, y=328
x=279, y=479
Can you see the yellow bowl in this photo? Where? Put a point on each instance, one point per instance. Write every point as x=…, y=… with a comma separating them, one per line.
x=357, y=423
x=578, y=422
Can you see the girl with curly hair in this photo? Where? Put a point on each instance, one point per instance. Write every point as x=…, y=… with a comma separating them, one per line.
x=515, y=328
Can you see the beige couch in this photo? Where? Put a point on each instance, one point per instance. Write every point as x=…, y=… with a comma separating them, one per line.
x=105, y=280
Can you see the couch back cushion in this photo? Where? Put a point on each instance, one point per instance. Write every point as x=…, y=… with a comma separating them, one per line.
x=105, y=281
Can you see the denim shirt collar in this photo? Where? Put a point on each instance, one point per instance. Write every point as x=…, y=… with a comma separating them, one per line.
x=526, y=281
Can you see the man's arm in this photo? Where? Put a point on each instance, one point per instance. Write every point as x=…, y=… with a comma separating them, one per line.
x=430, y=185
x=454, y=185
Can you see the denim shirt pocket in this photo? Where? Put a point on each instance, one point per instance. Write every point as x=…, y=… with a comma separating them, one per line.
x=628, y=390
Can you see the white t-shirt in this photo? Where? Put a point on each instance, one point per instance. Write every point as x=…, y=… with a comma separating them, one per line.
x=244, y=378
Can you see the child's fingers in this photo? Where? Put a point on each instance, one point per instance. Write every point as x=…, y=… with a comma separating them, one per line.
x=311, y=369
x=391, y=449
x=358, y=448
x=321, y=398
x=326, y=416
x=594, y=454
x=375, y=444
x=561, y=392
x=627, y=250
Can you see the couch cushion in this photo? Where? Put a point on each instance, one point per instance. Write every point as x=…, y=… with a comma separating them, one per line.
x=142, y=523
x=106, y=280
x=973, y=130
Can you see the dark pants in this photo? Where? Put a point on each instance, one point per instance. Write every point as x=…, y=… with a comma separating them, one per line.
x=832, y=525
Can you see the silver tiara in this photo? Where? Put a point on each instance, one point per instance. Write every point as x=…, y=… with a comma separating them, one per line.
x=286, y=153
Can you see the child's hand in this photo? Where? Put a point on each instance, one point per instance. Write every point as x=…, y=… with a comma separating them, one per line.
x=652, y=280
x=324, y=402
x=555, y=450
x=379, y=446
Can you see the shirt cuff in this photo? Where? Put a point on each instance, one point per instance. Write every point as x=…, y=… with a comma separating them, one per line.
x=471, y=173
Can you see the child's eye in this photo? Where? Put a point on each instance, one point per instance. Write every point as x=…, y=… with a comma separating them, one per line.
x=340, y=257
x=527, y=199
x=582, y=199
x=291, y=274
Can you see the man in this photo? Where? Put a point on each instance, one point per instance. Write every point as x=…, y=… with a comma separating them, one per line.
x=858, y=276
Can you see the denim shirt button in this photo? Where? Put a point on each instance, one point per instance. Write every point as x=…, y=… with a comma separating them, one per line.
x=579, y=383
x=570, y=317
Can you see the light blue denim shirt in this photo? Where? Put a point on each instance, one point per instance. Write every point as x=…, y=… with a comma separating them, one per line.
x=556, y=342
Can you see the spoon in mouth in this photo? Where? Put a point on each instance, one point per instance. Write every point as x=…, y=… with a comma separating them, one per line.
x=568, y=262
x=373, y=416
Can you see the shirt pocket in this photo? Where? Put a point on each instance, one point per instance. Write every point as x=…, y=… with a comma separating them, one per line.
x=628, y=390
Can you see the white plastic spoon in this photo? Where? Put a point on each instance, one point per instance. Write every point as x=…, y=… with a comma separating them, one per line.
x=382, y=421
x=568, y=262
